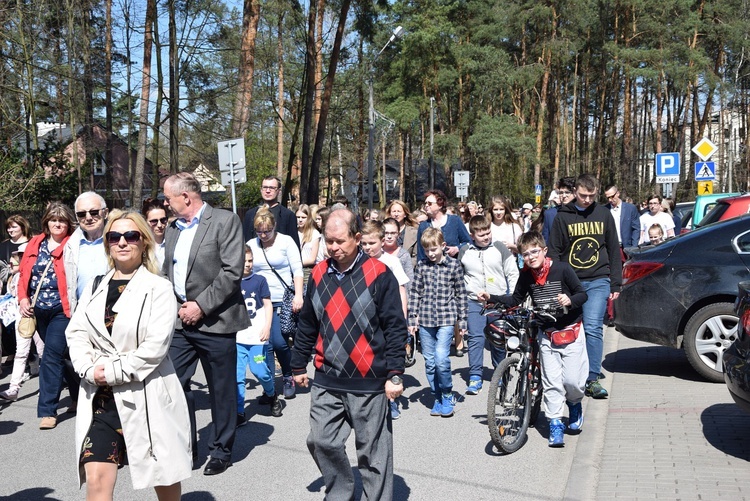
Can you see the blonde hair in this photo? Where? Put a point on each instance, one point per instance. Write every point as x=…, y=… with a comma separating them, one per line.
x=432, y=237
x=307, y=230
x=148, y=258
x=264, y=219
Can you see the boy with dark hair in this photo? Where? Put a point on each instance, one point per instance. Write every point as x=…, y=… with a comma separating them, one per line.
x=487, y=267
x=564, y=360
x=585, y=236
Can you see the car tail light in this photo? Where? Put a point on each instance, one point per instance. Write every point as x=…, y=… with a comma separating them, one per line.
x=745, y=321
x=634, y=270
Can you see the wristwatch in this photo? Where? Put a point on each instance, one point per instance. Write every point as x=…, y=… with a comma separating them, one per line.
x=397, y=380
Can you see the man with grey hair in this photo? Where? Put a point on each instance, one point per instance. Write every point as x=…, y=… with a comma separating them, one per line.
x=204, y=259
x=84, y=255
x=286, y=220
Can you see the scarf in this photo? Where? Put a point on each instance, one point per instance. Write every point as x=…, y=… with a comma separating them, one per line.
x=540, y=274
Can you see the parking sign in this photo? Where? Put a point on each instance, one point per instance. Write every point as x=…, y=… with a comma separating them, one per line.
x=667, y=167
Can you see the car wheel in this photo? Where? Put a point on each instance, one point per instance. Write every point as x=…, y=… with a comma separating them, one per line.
x=709, y=332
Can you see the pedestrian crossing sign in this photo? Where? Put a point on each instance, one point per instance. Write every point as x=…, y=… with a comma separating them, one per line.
x=705, y=171
x=705, y=187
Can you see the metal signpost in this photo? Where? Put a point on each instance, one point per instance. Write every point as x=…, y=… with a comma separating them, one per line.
x=461, y=182
x=232, y=165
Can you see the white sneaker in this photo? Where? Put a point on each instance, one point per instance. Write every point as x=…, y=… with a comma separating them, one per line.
x=26, y=376
x=9, y=395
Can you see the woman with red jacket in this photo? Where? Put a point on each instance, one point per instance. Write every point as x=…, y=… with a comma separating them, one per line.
x=52, y=309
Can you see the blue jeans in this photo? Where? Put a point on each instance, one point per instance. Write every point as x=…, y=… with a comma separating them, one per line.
x=279, y=346
x=593, y=318
x=476, y=341
x=55, y=364
x=436, y=347
x=255, y=357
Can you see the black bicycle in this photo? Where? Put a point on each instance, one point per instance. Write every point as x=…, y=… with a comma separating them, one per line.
x=515, y=393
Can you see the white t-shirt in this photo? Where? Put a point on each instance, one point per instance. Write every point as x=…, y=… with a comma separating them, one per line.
x=394, y=264
x=307, y=246
x=661, y=218
x=506, y=233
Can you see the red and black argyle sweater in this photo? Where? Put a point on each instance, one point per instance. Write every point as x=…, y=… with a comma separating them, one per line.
x=355, y=326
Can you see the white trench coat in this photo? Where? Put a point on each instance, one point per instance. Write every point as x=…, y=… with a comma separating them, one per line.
x=148, y=394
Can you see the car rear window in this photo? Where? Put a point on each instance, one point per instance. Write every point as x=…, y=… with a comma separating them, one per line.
x=715, y=214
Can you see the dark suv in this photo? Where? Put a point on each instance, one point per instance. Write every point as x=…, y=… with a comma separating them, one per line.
x=681, y=292
x=737, y=357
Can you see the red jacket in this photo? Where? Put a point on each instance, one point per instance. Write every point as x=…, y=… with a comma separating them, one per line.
x=27, y=263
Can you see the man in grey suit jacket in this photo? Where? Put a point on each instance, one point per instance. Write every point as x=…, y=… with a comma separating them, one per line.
x=204, y=259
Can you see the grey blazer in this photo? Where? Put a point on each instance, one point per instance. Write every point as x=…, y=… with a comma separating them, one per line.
x=214, y=271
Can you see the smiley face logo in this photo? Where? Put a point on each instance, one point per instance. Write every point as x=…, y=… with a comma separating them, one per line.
x=584, y=253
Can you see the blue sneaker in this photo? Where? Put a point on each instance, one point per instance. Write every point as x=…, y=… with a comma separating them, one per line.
x=436, y=408
x=556, y=433
x=475, y=386
x=575, y=417
x=395, y=413
x=449, y=402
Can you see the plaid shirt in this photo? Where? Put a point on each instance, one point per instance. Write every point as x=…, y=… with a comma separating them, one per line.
x=437, y=296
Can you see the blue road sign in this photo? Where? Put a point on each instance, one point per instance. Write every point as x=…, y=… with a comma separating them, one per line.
x=538, y=190
x=705, y=171
x=667, y=164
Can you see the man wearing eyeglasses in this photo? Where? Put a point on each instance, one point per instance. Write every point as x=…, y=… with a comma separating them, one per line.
x=286, y=220
x=625, y=216
x=84, y=254
x=585, y=236
x=561, y=195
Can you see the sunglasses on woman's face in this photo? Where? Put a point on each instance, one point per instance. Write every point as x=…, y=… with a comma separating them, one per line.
x=154, y=222
x=131, y=237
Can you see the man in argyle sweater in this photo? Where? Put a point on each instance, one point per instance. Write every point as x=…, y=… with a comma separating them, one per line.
x=353, y=320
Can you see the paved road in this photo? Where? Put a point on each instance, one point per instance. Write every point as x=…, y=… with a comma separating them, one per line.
x=663, y=433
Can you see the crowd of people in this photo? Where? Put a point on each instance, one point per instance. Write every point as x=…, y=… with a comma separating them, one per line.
x=281, y=288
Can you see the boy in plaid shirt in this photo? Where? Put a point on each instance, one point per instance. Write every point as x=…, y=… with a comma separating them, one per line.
x=437, y=299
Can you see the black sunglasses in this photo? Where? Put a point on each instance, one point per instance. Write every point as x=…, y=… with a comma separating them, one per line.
x=154, y=222
x=93, y=213
x=131, y=237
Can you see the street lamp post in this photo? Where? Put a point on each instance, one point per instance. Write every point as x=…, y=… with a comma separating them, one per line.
x=371, y=133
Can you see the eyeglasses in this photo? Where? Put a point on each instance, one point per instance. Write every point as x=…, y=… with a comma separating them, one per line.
x=93, y=213
x=430, y=203
x=531, y=253
x=131, y=237
x=154, y=222
x=610, y=197
x=269, y=188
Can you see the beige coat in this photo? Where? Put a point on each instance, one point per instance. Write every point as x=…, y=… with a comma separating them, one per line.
x=148, y=394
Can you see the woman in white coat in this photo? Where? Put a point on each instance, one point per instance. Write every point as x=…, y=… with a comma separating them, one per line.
x=135, y=411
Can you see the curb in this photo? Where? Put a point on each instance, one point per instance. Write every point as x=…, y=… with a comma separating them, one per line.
x=583, y=477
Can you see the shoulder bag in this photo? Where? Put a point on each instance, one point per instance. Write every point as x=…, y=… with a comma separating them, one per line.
x=26, y=326
x=287, y=317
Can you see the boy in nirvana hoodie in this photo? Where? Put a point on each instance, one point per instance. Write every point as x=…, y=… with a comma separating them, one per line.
x=584, y=235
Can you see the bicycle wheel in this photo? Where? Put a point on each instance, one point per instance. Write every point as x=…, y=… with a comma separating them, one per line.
x=411, y=351
x=508, y=405
x=535, y=392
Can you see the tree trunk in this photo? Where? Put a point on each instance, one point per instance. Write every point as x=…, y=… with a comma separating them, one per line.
x=174, y=91
x=312, y=189
x=108, y=98
x=140, y=161
x=241, y=115
x=280, y=113
x=309, y=101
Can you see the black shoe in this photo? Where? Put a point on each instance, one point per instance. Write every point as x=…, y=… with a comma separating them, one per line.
x=275, y=406
x=241, y=420
x=264, y=399
x=216, y=466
